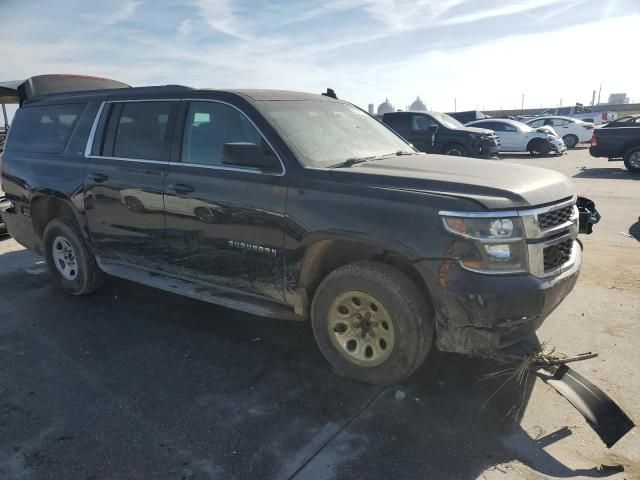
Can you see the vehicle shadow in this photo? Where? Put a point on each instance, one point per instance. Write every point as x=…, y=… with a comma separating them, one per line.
x=525, y=156
x=612, y=173
x=131, y=382
x=634, y=230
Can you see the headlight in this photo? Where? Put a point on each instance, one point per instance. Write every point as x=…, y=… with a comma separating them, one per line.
x=486, y=229
x=496, y=245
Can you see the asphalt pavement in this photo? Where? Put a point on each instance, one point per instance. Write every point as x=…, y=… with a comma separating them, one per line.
x=135, y=383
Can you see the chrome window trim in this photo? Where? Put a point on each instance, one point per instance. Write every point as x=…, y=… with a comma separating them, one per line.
x=235, y=169
x=96, y=120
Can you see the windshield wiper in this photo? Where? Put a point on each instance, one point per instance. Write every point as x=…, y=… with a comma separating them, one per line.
x=355, y=160
x=352, y=161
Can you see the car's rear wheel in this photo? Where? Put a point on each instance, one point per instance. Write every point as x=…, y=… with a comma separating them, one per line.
x=570, y=140
x=632, y=160
x=456, y=150
x=538, y=146
x=372, y=323
x=70, y=260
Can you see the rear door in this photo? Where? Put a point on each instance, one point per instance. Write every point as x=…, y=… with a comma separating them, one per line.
x=225, y=225
x=128, y=159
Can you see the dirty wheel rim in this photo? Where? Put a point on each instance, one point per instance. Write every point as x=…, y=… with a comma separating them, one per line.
x=64, y=257
x=455, y=152
x=361, y=329
x=634, y=160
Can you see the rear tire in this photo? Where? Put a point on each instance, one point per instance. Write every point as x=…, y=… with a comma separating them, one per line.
x=632, y=159
x=455, y=149
x=372, y=323
x=70, y=260
x=570, y=140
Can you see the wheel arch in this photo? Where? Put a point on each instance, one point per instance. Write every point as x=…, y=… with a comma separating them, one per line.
x=326, y=253
x=45, y=206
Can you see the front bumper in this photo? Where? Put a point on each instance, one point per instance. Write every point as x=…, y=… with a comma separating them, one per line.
x=559, y=145
x=487, y=149
x=481, y=314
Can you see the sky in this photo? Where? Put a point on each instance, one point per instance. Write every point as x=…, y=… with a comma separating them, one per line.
x=469, y=54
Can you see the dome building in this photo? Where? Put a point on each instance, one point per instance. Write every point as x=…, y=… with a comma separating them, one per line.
x=386, y=107
x=418, y=105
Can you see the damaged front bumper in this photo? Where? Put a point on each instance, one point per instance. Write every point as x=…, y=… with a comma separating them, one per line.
x=480, y=314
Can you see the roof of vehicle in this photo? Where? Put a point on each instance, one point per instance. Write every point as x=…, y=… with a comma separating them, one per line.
x=515, y=123
x=547, y=117
x=252, y=95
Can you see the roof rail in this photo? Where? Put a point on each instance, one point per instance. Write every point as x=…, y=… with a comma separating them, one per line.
x=20, y=91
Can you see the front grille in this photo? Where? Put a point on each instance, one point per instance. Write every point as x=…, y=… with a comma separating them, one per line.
x=555, y=217
x=557, y=255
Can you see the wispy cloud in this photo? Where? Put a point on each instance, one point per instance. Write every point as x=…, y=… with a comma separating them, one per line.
x=115, y=13
x=365, y=49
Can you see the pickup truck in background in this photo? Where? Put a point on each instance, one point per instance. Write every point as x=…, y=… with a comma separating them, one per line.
x=619, y=140
x=581, y=113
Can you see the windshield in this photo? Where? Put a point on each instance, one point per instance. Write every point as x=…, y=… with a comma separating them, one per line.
x=325, y=133
x=446, y=120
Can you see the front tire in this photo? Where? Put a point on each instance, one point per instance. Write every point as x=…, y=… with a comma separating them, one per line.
x=372, y=323
x=70, y=260
x=538, y=147
x=456, y=150
x=632, y=159
x=570, y=140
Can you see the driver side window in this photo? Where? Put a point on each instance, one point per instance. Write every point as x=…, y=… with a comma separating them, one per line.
x=209, y=125
x=421, y=123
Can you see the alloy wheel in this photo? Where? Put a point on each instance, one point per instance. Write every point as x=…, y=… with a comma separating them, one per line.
x=361, y=328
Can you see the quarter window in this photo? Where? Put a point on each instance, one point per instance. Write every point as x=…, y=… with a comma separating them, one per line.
x=209, y=126
x=44, y=129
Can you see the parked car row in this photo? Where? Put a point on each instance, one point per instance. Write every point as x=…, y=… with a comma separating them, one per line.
x=434, y=132
x=578, y=112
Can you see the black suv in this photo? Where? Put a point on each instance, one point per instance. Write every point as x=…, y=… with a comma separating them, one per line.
x=434, y=132
x=296, y=206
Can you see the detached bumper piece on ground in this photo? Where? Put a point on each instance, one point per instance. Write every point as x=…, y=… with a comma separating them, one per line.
x=603, y=415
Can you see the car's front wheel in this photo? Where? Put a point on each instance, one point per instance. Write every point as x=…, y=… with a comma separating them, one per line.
x=539, y=146
x=456, y=150
x=372, y=323
x=70, y=260
x=632, y=160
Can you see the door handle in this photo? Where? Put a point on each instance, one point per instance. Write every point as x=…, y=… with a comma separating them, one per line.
x=98, y=177
x=181, y=188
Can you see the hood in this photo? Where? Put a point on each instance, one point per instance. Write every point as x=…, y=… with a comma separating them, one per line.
x=495, y=184
x=476, y=130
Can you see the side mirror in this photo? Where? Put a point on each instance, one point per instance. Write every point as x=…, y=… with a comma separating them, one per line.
x=432, y=128
x=244, y=154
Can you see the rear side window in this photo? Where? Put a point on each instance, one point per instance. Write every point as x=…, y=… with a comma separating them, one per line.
x=45, y=129
x=136, y=130
x=397, y=122
x=564, y=111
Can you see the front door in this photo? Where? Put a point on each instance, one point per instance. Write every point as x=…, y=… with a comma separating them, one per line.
x=424, y=133
x=124, y=182
x=225, y=225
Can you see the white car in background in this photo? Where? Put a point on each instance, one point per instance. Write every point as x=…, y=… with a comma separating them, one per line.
x=518, y=137
x=572, y=130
